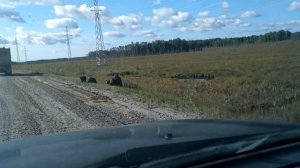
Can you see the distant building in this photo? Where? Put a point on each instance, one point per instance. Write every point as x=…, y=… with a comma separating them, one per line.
x=5, y=61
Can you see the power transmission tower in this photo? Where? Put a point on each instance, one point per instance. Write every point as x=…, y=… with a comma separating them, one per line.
x=68, y=44
x=17, y=50
x=25, y=52
x=100, y=48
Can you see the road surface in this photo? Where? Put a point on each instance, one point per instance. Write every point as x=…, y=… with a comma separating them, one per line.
x=34, y=105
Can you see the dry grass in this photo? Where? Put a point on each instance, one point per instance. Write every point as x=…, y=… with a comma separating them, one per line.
x=257, y=82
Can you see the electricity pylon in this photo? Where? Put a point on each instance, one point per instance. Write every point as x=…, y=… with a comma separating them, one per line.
x=100, y=48
x=68, y=44
x=25, y=53
x=17, y=50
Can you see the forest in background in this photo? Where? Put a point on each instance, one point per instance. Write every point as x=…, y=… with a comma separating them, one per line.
x=180, y=45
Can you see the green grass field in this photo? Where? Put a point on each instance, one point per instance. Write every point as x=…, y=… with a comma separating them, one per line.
x=254, y=81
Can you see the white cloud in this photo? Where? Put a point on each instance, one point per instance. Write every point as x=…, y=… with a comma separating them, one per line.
x=208, y=24
x=8, y=29
x=61, y=23
x=238, y=22
x=147, y=33
x=250, y=14
x=33, y=37
x=114, y=34
x=203, y=14
x=289, y=25
x=294, y=22
x=3, y=40
x=156, y=2
x=294, y=6
x=168, y=17
x=232, y=21
x=204, y=23
x=163, y=12
x=29, y=2
x=187, y=29
x=131, y=21
x=83, y=11
x=181, y=17
x=10, y=13
x=225, y=5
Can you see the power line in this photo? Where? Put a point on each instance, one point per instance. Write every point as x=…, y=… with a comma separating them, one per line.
x=100, y=48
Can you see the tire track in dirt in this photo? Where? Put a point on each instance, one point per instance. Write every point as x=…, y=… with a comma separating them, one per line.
x=17, y=124
x=97, y=116
x=4, y=117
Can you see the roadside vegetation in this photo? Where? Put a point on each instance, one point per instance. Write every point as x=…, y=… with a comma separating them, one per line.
x=250, y=81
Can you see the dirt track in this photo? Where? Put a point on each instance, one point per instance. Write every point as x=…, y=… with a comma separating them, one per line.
x=37, y=105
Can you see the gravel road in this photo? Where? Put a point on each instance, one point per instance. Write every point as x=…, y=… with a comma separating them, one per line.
x=33, y=105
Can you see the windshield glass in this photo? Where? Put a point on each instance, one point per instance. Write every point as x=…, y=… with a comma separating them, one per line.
x=70, y=66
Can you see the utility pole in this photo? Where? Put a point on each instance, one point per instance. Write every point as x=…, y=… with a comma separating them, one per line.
x=68, y=44
x=17, y=50
x=100, y=48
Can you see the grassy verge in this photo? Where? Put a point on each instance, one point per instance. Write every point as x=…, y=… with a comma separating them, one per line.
x=257, y=82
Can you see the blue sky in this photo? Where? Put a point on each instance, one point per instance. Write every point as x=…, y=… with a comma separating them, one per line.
x=40, y=24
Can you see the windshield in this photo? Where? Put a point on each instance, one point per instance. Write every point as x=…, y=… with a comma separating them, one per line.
x=70, y=66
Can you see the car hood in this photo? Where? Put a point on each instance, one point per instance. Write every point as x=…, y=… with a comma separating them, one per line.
x=84, y=148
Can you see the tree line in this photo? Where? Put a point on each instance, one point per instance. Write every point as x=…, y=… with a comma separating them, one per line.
x=180, y=45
